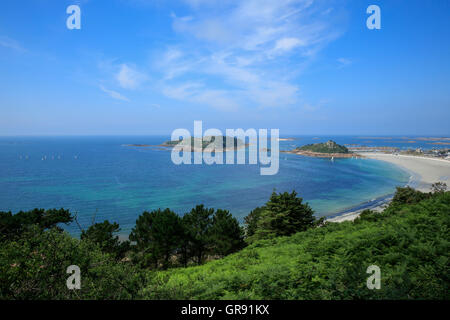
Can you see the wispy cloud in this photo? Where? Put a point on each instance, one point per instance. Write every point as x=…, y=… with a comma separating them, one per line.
x=244, y=53
x=129, y=78
x=287, y=44
x=11, y=44
x=199, y=93
x=114, y=94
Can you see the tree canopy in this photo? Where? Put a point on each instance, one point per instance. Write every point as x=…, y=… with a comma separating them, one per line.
x=291, y=254
x=157, y=235
x=12, y=225
x=284, y=214
x=104, y=235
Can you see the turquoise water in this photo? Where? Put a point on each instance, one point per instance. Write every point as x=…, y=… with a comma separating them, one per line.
x=102, y=177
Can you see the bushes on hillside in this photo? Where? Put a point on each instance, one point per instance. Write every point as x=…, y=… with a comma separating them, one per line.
x=409, y=242
x=408, y=195
x=289, y=258
x=34, y=267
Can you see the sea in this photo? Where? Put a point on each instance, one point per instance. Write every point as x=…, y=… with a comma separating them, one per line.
x=103, y=178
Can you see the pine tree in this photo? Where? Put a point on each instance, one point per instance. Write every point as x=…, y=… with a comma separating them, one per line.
x=284, y=214
x=251, y=221
x=157, y=235
x=197, y=224
x=226, y=235
x=103, y=234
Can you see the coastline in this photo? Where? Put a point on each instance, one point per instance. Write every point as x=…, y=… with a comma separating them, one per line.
x=193, y=149
x=323, y=155
x=424, y=172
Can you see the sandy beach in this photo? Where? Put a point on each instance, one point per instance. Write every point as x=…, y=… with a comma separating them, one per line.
x=424, y=172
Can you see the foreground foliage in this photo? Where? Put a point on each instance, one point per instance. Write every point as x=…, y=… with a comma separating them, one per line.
x=291, y=255
x=408, y=241
x=34, y=267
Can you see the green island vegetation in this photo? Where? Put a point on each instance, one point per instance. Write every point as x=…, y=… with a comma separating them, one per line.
x=207, y=141
x=326, y=147
x=282, y=252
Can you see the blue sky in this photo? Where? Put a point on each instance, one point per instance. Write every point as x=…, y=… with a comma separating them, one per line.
x=151, y=66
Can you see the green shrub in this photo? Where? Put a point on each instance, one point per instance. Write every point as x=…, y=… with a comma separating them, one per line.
x=34, y=267
x=409, y=242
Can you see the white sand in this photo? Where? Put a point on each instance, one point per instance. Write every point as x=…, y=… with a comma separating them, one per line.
x=350, y=216
x=424, y=172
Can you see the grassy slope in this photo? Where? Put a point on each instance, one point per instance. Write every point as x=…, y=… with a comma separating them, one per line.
x=409, y=243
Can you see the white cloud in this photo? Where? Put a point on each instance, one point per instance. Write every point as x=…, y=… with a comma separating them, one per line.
x=129, y=78
x=114, y=94
x=257, y=24
x=287, y=44
x=218, y=99
x=11, y=44
x=182, y=92
x=198, y=93
x=245, y=52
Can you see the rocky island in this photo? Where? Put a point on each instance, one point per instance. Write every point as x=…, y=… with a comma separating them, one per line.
x=208, y=143
x=329, y=149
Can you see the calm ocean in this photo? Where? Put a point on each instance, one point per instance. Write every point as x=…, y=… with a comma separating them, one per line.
x=100, y=177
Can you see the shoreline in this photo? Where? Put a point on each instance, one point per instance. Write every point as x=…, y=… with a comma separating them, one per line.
x=193, y=149
x=352, y=214
x=323, y=155
x=423, y=172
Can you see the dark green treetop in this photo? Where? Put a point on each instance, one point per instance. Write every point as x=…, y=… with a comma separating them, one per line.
x=284, y=214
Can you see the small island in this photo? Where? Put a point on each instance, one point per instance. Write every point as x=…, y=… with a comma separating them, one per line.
x=329, y=149
x=208, y=143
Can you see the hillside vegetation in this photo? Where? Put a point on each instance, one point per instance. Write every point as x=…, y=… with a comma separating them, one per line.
x=409, y=242
x=290, y=254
